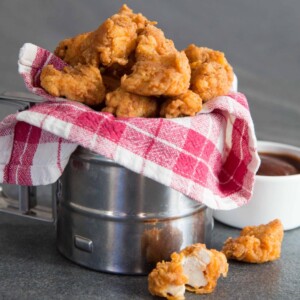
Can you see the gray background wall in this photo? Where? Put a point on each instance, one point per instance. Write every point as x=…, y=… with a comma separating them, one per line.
x=261, y=39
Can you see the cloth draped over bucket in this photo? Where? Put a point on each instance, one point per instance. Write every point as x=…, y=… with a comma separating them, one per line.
x=211, y=157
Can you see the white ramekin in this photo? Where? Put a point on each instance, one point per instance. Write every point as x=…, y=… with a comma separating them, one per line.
x=273, y=196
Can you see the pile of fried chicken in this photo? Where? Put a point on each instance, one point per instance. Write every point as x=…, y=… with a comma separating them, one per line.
x=128, y=68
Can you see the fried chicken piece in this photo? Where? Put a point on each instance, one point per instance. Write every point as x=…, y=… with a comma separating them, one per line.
x=152, y=43
x=212, y=75
x=140, y=20
x=159, y=69
x=187, y=104
x=203, y=268
x=69, y=49
x=125, y=104
x=159, y=244
x=256, y=244
x=196, y=267
x=167, y=279
x=111, y=43
x=81, y=83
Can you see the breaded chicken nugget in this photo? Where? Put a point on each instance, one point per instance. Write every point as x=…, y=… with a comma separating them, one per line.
x=256, y=244
x=195, y=267
x=125, y=104
x=167, y=279
x=159, y=69
x=212, y=75
x=111, y=43
x=81, y=83
x=69, y=49
x=187, y=104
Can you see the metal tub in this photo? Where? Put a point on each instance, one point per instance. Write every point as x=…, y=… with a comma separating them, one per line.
x=107, y=217
x=112, y=219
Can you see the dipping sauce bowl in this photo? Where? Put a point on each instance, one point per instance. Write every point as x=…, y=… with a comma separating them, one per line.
x=276, y=190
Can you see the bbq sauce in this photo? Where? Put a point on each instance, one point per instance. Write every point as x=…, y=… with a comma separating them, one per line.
x=278, y=164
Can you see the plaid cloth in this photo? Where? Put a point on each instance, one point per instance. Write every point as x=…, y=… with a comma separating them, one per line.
x=211, y=157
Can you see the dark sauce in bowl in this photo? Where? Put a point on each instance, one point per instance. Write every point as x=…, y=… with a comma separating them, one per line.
x=278, y=164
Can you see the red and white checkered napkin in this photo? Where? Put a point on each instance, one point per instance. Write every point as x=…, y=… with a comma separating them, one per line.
x=211, y=157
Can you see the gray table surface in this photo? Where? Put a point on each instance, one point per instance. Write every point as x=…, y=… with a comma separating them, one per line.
x=261, y=40
x=32, y=268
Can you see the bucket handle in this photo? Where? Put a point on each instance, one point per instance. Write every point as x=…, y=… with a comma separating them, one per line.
x=26, y=205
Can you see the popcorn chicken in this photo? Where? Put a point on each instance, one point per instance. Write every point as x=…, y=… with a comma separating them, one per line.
x=212, y=75
x=159, y=69
x=256, y=244
x=167, y=279
x=112, y=42
x=69, y=49
x=129, y=62
x=187, y=104
x=125, y=104
x=81, y=83
x=195, y=267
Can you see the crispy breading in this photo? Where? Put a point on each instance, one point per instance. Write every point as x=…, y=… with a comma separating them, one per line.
x=140, y=20
x=152, y=43
x=69, y=49
x=80, y=83
x=138, y=65
x=204, y=55
x=212, y=75
x=112, y=42
x=256, y=244
x=195, y=267
x=187, y=104
x=167, y=279
x=159, y=69
x=125, y=104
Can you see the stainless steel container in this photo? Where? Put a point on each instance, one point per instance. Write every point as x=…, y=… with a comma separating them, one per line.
x=112, y=219
x=107, y=217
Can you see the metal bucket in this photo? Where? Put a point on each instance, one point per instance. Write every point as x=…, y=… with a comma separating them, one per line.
x=107, y=217
x=112, y=219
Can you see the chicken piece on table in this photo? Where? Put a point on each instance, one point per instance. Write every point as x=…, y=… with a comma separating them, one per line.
x=167, y=279
x=256, y=244
x=195, y=269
